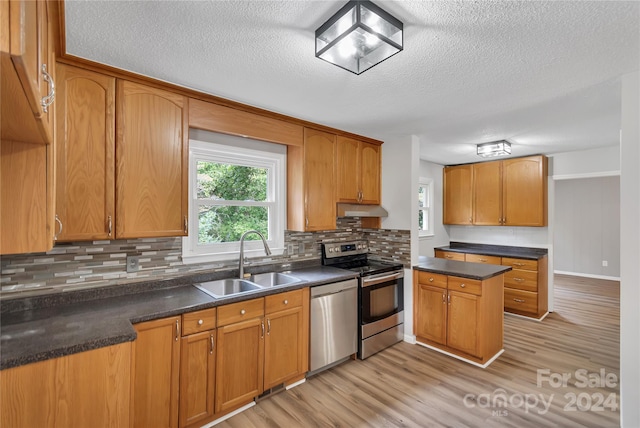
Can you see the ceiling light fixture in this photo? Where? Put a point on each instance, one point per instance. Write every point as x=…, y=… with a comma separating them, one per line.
x=359, y=36
x=494, y=148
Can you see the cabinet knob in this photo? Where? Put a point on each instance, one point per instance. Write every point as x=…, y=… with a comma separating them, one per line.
x=242, y=312
x=431, y=279
x=483, y=260
x=200, y=322
x=518, y=300
x=462, y=285
x=286, y=302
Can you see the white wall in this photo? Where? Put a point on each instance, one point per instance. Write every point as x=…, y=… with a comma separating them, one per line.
x=586, y=163
x=441, y=236
x=630, y=253
x=400, y=164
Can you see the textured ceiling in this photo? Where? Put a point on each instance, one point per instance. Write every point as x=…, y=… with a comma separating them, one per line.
x=544, y=75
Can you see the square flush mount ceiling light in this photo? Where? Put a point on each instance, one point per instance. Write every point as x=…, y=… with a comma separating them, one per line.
x=494, y=148
x=359, y=36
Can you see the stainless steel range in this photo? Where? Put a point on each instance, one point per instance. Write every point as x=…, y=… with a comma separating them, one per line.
x=380, y=294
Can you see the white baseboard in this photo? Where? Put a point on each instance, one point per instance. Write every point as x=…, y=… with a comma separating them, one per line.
x=409, y=338
x=228, y=415
x=482, y=366
x=588, y=275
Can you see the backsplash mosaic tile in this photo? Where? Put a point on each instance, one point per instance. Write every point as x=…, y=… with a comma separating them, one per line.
x=84, y=265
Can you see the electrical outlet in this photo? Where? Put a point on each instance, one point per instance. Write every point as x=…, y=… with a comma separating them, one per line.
x=133, y=264
x=290, y=249
x=605, y=263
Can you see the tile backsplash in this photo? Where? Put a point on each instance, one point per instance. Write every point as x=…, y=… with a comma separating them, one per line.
x=83, y=265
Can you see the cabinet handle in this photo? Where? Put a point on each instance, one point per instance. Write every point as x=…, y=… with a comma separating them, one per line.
x=262, y=323
x=46, y=101
x=519, y=300
x=449, y=257
x=200, y=322
x=518, y=264
x=431, y=279
x=186, y=225
x=242, y=312
x=462, y=285
x=449, y=298
x=177, y=330
x=483, y=260
x=286, y=302
x=212, y=344
x=268, y=326
x=55, y=237
x=470, y=220
x=443, y=299
x=306, y=222
x=518, y=279
x=109, y=226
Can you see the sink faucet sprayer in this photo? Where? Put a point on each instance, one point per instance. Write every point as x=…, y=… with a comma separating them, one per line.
x=267, y=251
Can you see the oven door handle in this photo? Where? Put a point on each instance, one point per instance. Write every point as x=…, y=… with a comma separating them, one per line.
x=368, y=281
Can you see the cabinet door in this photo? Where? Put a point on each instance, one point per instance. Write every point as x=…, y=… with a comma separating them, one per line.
x=487, y=193
x=370, y=173
x=431, y=316
x=525, y=191
x=463, y=321
x=85, y=149
x=319, y=175
x=151, y=162
x=156, y=372
x=25, y=186
x=197, y=377
x=348, y=167
x=283, y=346
x=457, y=194
x=239, y=365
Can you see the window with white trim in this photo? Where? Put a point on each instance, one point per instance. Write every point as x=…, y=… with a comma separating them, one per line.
x=425, y=207
x=233, y=189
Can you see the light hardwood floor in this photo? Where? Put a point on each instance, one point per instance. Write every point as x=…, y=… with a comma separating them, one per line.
x=409, y=385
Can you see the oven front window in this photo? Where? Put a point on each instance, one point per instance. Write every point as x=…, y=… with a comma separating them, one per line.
x=381, y=300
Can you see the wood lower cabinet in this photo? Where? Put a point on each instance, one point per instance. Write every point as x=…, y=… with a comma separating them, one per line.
x=459, y=315
x=450, y=255
x=482, y=258
x=151, y=162
x=85, y=154
x=197, y=367
x=155, y=366
x=87, y=389
x=457, y=191
x=286, y=345
x=526, y=290
x=240, y=359
x=311, y=189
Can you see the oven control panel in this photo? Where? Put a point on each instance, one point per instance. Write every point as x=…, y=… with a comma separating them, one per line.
x=341, y=249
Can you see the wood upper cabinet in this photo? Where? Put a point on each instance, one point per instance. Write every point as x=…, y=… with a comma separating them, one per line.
x=239, y=365
x=511, y=192
x=85, y=150
x=155, y=372
x=27, y=71
x=487, y=193
x=311, y=200
x=358, y=170
x=87, y=389
x=151, y=162
x=524, y=191
x=286, y=341
x=457, y=184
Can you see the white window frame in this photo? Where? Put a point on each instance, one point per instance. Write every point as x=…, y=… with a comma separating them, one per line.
x=427, y=183
x=275, y=163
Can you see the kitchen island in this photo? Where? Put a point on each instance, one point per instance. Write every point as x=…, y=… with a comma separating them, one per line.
x=458, y=308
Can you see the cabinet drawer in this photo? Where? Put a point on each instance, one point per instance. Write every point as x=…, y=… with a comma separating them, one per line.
x=241, y=311
x=481, y=258
x=449, y=255
x=526, y=280
x=525, y=301
x=434, y=279
x=278, y=302
x=523, y=264
x=195, y=322
x=465, y=285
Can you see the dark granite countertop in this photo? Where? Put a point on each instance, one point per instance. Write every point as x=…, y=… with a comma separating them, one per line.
x=479, y=271
x=35, y=331
x=496, y=250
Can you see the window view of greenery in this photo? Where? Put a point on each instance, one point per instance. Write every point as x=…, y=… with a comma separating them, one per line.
x=423, y=204
x=219, y=185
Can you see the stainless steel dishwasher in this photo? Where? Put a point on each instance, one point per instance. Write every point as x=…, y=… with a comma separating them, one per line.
x=334, y=323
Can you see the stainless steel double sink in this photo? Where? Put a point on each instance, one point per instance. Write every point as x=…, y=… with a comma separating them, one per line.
x=232, y=286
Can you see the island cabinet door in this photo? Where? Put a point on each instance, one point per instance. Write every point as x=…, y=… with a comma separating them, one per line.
x=463, y=321
x=431, y=320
